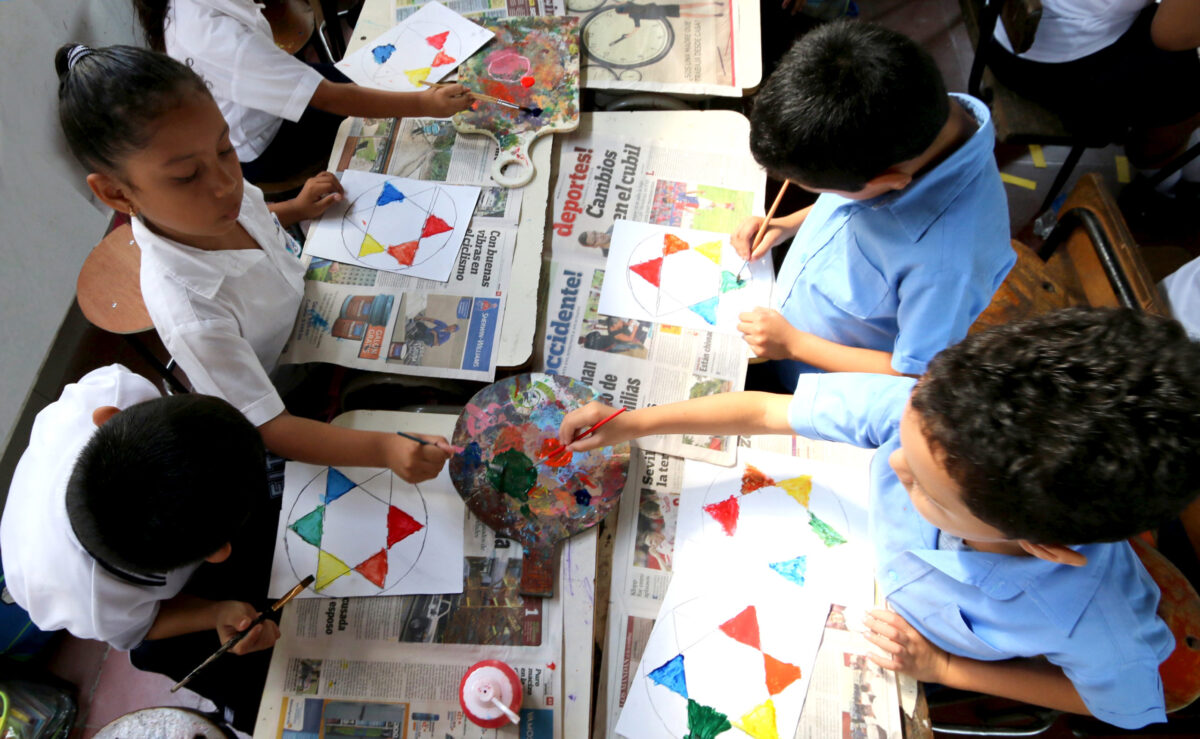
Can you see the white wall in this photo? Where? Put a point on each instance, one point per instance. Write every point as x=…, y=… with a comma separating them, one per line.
x=47, y=220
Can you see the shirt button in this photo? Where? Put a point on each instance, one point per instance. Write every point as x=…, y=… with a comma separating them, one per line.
x=893, y=576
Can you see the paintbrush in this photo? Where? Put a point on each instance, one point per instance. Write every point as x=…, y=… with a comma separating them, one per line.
x=425, y=442
x=554, y=452
x=534, y=111
x=762, y=227
x=237, y=638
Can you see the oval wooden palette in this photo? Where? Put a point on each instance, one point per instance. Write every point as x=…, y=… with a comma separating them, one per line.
x=534, y=62
x=502, y=431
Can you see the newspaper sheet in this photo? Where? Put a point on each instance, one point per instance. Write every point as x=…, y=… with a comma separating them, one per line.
x=476, y=9
x=397, y=661
x=635, y=363
x=643, y=560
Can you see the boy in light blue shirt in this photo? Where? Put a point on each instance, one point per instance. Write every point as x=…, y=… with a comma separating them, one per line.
x=1005, y=485
x=910, y=236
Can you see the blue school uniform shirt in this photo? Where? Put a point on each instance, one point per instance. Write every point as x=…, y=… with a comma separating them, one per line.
x=906, y=272
x=1097, y=622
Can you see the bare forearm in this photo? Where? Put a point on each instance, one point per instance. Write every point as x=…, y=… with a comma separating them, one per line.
x=286, y=212
x=315, y=442
x=832, y=357
x=344, y=98
x=1039, y=683
x=183, y=614
x=1176, y=25
x=727, y=413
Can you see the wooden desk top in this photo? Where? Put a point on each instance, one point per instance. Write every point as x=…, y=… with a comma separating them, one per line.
x=109, y=289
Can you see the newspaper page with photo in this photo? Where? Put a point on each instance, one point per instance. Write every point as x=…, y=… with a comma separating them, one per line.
x=398, y=660
x=633, y=363
x=476, y=9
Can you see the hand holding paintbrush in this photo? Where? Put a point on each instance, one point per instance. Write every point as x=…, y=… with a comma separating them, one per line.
x=532, y=112
x=754, y=252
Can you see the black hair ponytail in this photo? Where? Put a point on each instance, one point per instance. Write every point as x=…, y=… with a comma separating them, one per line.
x=152, y=14
x=109, y=97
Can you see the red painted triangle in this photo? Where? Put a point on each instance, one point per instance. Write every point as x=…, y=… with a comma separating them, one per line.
x=404, y=253
x=435, y=226
x=442, y=59
x=743, y=627
x=725, y=513
x=437, y=40
x=753, y=479
x=649, y=271
x=672, y=244
x=779, y=674
x=374, y=568
x=400, y=525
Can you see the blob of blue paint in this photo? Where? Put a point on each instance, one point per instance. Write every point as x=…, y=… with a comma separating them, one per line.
x=583, y=497
x=706, y=309
x=383, y=52
x=792, y=569
x=671, y=676
x=472, y=456
x=389, y=195
x=316, y=318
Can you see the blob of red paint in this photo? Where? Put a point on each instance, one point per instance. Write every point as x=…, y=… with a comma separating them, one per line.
x=550, y=665
x=725, y=513
x=527, y=81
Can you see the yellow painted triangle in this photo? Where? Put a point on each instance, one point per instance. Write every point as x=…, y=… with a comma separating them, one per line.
x=369, y=246
x=760, y=723
x=417, y=76
x=329, y=568
x=712, y=250
x=799, y=488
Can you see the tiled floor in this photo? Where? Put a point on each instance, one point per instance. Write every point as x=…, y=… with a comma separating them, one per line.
x=110, y=687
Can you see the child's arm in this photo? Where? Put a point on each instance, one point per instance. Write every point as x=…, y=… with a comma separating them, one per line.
x=781, y=229
x=346, y=98
x=315, y=442
x=187, y=614
x=315, y=197
x=770, y=335
x=1039, y=683
x=1176, y=25
x=726, y=413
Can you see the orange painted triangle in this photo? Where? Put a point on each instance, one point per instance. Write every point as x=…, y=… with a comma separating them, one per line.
x=649, y=271
x=442, y=59
x=375, y=568
x=435, y=226
x=753, y=479
x=779, y=674
x=672, y=244
x=400, y=525
x=743, y=627
x=437, y=40
x=404, y=253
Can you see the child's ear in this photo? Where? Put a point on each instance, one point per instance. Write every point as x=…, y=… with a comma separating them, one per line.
x=111, y=192
x=1056, y=553
x=220, y=555
x=103, y=414
x=890, y=180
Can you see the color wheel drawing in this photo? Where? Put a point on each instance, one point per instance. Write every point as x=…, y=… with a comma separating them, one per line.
x=392, y=228
x=680, y=277
x=724, y=509
x=358, y=538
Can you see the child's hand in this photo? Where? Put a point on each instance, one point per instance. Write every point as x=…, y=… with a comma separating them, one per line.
x=233, y=616
x=743, y=236
x=769, y=334
x=445, y=100
x=418, y=462
x=582, y=419
x=909, y=652
x=316, y=196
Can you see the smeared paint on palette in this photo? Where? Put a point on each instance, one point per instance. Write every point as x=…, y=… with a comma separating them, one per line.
x=534, y=62
x=503, y=430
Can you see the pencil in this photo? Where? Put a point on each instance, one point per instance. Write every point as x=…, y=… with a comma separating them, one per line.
x=237, y=638
x=762, y=227
x=581, y=435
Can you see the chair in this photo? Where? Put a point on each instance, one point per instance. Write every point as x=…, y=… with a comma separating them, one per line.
x=110, y=295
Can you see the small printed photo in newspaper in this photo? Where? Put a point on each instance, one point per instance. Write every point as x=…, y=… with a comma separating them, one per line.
x=368, y=145
x=446, y=331
x=316, y=717
x=611, y=334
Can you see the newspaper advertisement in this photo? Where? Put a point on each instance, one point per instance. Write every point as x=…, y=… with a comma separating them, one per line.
x=633, y=363
x=476, y=9
x=392, y=664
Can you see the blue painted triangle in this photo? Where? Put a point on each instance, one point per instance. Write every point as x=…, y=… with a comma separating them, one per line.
x=792, y=569
x=389, y=195
x=336, y=485
x=671, y=676
x=707, y=310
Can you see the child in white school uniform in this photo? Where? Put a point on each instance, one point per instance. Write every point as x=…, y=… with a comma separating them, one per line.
x=281, y=111
x=219, y=275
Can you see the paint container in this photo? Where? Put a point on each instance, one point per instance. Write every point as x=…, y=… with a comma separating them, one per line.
x=483, y=682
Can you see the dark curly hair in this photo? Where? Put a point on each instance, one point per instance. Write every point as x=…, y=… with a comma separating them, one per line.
x=847, y=101
x=1078, y=426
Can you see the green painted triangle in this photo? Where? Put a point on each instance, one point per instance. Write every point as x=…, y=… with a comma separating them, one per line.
x=729, y=281
x=311, y=526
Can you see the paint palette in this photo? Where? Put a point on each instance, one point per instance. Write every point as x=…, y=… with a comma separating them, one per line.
x=503, y=430
x=534, y=63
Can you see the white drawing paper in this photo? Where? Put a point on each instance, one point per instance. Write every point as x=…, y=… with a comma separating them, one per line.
x=729, y=644
x=409, y=227
x=427, y=45
x=680, y=277
x=364, y=531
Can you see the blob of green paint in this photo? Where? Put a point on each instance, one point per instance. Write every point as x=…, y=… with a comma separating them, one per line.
x=825, y=531
x=705, y=722
x=512, y=473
